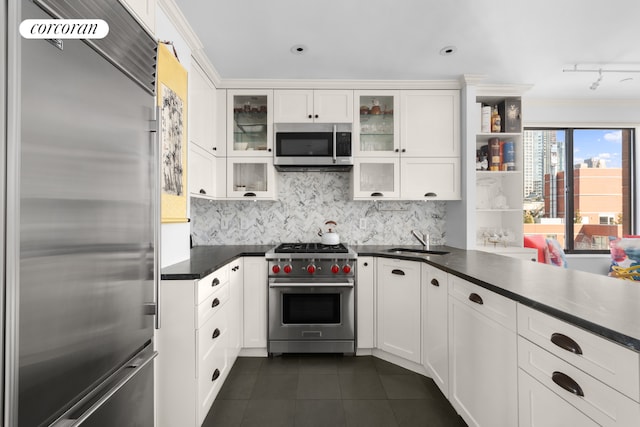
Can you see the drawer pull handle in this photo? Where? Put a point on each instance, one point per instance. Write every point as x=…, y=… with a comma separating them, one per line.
x=377, y=194
x=215, y=282
x=398, y=272
x=435, y=282
x=215, y=303
x=216, y=374
x=475, y=298
x=567, y=383
x=216, y=334
x=565, y=343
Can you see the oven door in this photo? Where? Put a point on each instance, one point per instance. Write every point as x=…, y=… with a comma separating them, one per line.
x=311, y=311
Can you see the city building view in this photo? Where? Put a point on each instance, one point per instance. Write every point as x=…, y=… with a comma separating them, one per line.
x=576, y=182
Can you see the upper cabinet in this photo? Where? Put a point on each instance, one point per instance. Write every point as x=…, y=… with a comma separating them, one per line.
x=249, y=123
x=430, y=123
x=313, y=106
x=145, y=11
x=376, y=128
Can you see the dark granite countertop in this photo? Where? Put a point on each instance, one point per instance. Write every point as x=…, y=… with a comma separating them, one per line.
x=605, y=306
x=205, y=260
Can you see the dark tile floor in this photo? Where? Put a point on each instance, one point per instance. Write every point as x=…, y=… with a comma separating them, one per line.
x=328, y=391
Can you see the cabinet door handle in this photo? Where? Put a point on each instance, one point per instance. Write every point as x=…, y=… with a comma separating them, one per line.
x=430, y=194
x=565, y=343
x=214, y=148
x=366, y=264
x=567, y=383
x=398, y=272
x=269, y=150
x=377, y=194
x=215, y=375
x=215, y=303
x=310, y=116
x=316, y=116
x=216, y=334
x=202, y=191
x=249, y=194
x=215, y=282
x=404, y=150
x=435, y=282
x=475, y=298
x=396, y=150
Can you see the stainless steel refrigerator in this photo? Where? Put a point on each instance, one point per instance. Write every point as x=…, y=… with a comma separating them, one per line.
x=81, y=221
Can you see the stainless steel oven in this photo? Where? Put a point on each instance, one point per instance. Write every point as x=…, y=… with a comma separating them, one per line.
x=311, y=302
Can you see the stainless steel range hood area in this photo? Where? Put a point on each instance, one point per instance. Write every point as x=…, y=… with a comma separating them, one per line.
x=313, y=147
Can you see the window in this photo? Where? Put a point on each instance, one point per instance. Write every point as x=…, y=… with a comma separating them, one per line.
x=578, y=186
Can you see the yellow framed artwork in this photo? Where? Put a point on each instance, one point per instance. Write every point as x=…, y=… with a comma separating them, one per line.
x=172, y=103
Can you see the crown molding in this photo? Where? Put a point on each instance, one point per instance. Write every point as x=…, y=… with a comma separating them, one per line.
x=337, y=84
x=502, y=89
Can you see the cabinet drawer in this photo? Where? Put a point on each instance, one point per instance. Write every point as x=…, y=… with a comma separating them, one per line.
x=212, y=303
x=208, y=284
x=492, y=305
x=212, y=364
x=593, y=398
x=607, y=361
x=208, y=338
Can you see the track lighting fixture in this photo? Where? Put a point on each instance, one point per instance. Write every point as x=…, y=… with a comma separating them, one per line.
x=595, y=84
x=601, y=69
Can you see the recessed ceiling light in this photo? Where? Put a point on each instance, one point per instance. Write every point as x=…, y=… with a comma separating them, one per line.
x=298, y=49
x=448, y=50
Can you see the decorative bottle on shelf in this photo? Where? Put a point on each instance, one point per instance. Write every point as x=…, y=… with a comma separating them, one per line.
x=496, y=121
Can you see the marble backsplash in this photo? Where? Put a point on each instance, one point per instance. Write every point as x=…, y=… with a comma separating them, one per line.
x=305, y=202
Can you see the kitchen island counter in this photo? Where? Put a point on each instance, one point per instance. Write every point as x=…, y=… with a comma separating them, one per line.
x=602, y=305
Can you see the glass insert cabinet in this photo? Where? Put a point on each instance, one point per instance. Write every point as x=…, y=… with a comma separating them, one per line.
x=249, y=122
x=250, y=178
x=376, y=123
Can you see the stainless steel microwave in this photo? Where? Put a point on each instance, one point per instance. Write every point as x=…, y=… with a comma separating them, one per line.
x=313, y=147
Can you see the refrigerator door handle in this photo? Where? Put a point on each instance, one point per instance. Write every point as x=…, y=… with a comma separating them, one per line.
x=112, y=385
x=155, y=170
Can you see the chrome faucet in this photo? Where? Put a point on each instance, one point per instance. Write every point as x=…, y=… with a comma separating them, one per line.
x=422, y=238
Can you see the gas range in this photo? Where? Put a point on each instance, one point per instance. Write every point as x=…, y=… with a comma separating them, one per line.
x=311, y=298
x=311, y=260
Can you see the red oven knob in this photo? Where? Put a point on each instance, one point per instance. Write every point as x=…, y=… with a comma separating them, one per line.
x=311, y=268
x=346, y=269
x=275, y=269
x=287, y=269
x=335, y=268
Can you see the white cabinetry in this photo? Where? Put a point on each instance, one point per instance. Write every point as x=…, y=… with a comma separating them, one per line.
x=398, y=303
x=196, y=346
x=313, y=106
x=251, y=178
x=145, y=11
x=365, y=298
x=249, y=122
x=424, y=135
x=579, y=377
x=236, y=316
x=207, y=175
x=499, y=192
x=375, y=178
x=255, y=302
x=483, y=368
x=430, y=123
x=435, y=339
x=424, y=178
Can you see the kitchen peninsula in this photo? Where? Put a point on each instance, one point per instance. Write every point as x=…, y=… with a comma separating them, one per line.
x=512, y=320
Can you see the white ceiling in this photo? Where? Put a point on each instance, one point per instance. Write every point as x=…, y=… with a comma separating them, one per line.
x=508, y=41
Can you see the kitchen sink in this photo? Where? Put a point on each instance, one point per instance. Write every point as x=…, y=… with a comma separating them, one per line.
x=417, y=251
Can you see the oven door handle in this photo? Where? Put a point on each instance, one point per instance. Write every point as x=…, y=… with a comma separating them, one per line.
x=310, y=284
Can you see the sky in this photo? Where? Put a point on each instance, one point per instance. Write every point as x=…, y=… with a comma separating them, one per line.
x=603, y=143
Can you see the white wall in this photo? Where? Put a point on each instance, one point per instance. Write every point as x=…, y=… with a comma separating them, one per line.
x=175, y=237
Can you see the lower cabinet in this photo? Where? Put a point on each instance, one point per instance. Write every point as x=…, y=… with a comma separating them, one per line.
x=435, y=339
x=483, y=383
x=196, y=344
x=398, y=308
x=255, y=302
x=365, y=297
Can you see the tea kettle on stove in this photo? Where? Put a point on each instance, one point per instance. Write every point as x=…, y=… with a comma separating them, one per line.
x=329, y=237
